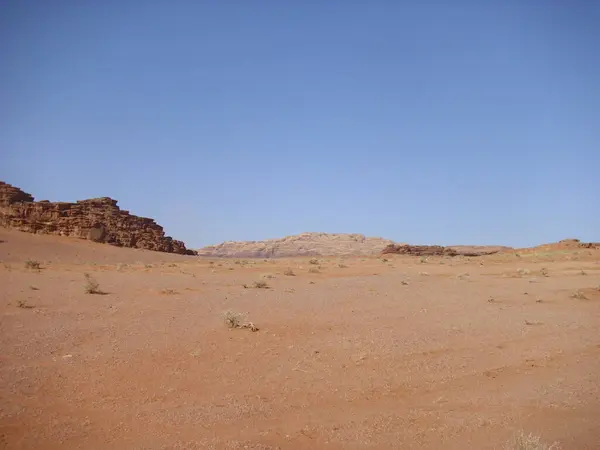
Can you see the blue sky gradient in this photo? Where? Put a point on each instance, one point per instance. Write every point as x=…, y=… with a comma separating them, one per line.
x=463, y=122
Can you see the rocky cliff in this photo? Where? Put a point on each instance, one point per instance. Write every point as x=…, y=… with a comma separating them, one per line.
x=98, y=219
x=305, y=244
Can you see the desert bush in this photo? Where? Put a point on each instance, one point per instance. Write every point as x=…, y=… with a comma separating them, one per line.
x=342, y=266
x=579, y=294
x=314, y=270
x=314, y=261
x=23, y=304
x=236, y=320
x=289, y=272
x=261, y=284
x=91, y=285
x=168, y=292
x=544, y=272
x=232, y=319
x=530, y=441
x=32, y=264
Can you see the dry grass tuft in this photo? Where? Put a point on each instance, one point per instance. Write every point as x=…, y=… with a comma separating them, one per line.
x=314, y=270
x=530, y=441
x=289, y=272
x=33, y=265
x=261, y=284
x=579, y=294
x=24, y=305
x=91, y=285
x=169, y=292
x=314, y=261
x=342, y=266
x=236, y=320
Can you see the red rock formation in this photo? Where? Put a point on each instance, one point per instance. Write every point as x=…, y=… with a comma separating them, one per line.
x=438, y=250
x=98, y=219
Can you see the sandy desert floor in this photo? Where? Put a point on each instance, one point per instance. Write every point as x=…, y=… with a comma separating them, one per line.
x=447, y=353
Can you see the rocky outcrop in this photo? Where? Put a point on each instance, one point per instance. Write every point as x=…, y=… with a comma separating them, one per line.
x=98, y=219
x=305, y=244
x=438, y=250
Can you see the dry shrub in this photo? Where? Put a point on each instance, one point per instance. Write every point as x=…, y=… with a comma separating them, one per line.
x=236, y=320
x=314, y=261
x=33, y=265
x=289, y=272
x=530, y=441
x=91, y=285
x=314, y=270
x=23, y=304
x=579, y=294
x=261, y=284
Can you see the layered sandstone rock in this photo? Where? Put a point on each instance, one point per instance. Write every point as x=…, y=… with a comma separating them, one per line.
x=98, y=219
x=305, y=244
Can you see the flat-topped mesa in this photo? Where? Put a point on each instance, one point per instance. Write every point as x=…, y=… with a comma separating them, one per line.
x=96, y=219
x=304, y=244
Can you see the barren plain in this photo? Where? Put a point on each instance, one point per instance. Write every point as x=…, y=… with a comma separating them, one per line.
x=364, y=352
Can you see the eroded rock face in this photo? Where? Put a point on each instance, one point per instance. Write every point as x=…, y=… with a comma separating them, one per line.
x=305, y=244
x=97, y=219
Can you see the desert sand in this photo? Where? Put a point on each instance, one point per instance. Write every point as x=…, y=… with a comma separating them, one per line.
x=356, y=353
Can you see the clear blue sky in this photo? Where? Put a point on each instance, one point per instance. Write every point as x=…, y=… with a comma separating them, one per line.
x=424, y=122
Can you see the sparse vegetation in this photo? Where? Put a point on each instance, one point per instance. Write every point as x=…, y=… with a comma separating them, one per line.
x=314, y=261
x=236, y=320
x=314, y=270
x=33, y=288
x=342, y=266
x=33, y=264
x=523, y=271
x=232, y=319
x=529, y=322
x=261, y=284
x=169, y=292
x=579, y=295
x=583, y=272
x=544, y=272
x=24, y=305
x=530, y=441
x=404, y=283
x=289, y=272
x=91, y=285
x=424, y=274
